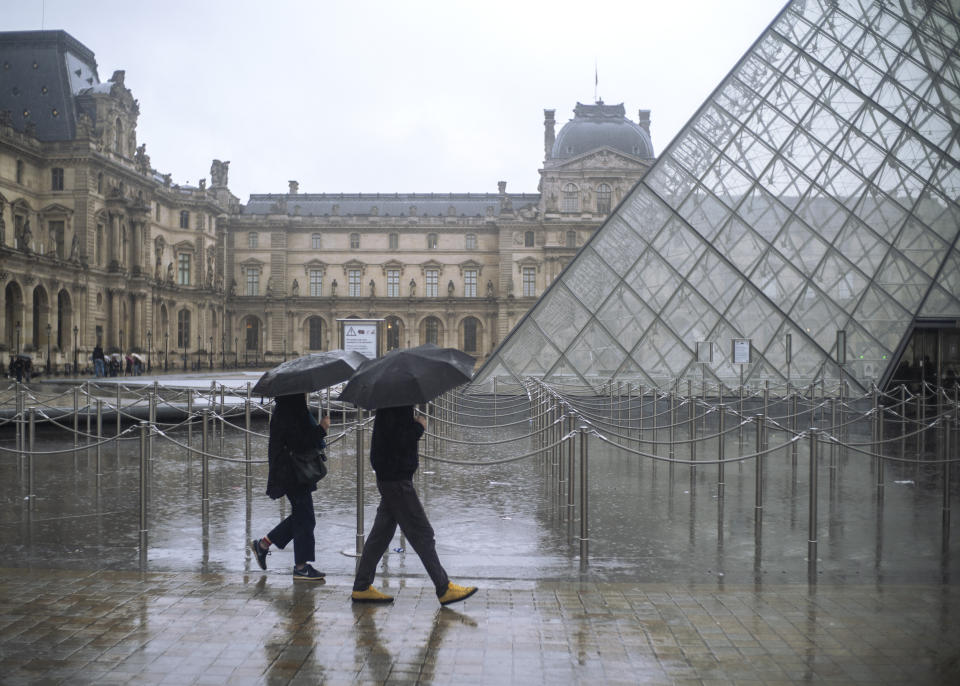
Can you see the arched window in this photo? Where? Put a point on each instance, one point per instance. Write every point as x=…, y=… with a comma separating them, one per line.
x=315, y=241
x=393, y=333
x=571, y=239
x=571, y=198
x=252, y=333
x=470, y=328
x=603, y=198
x=183, y=328
x=431, y=330
x=315, y=333
x=528, y=239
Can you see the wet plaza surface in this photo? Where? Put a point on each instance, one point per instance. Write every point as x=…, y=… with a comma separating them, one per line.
x=679, y=585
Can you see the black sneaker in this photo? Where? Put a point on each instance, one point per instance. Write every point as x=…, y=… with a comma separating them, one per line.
x=260, y=554
x=308, y=573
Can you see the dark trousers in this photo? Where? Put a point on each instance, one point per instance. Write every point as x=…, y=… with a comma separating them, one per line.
x=298, y=527
x=399, y=504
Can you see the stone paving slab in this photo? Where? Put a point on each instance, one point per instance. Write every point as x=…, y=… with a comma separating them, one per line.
x=110, y=627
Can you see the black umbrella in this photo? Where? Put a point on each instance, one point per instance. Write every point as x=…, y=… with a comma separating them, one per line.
x=408, y=377
x=309, y=373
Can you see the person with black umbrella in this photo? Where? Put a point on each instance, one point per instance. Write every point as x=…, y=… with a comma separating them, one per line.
x=293, y=430
x=393, y=454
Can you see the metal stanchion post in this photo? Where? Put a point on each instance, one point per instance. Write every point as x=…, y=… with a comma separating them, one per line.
x=152, y=418
x=223, y=418
x=721, y=418
x=833, y=434
x=248, y=465
x=99, y=436
x=119, y=414
x=758, y=472
x=584, y=498
x=76, y=420
x=945, y=519
x=190, y=421
x=812, y=509
x=360, y=475
x=672, y=435
x=145, y=428
x=794, y=423
x=570, y=468
x=205, y=464
x=32, y=428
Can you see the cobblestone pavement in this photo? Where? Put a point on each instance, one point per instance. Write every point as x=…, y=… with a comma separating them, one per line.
x=109, y=627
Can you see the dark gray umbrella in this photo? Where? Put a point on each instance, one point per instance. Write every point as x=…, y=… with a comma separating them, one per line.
x=309, y=373
x=408, y=377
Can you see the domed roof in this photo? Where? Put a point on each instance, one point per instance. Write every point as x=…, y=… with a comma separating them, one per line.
x=598, y=126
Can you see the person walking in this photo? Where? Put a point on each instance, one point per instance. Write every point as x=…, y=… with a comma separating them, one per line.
x=98, y=361
x=393, y=454
x=292, y=430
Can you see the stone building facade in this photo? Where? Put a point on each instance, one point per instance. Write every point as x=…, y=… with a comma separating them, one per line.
x=96, y=245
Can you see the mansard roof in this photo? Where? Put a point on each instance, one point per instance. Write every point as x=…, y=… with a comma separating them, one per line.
x=387, y=204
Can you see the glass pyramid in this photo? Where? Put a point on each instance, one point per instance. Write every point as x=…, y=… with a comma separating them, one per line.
x=815, y=191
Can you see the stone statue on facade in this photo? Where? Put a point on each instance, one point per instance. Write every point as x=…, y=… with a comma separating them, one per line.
x=3, y=226
x=295, y=288
x=413, y=288
x=169, y=272
x=333, y=287
x=219, y=172
x=450, y=288
x=26, y=237
x=373, y=288
x=142, y=159
x=156, y=269
x=489, y=288
x=233, y=287
x=75, y=249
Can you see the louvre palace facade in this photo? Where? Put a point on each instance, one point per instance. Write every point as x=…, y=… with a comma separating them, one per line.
x=97, y=245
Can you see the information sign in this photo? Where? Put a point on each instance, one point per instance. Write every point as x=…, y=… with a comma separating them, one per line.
x=741, y=351
x=361, y=338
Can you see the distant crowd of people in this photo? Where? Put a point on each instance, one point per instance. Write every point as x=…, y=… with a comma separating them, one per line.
x=104, y=365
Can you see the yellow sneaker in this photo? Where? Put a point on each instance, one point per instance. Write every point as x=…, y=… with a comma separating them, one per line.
x=370, y=595
x=456, y=593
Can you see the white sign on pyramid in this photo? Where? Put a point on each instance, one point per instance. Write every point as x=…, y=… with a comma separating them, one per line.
x=815, y=191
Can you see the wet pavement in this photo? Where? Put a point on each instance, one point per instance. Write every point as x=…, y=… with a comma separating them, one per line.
x=677, y=587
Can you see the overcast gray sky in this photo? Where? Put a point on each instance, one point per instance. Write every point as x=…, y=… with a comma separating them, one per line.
x=402, y=96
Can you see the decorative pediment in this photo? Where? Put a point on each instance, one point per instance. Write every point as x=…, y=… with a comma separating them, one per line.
x=354, y=264
x=602, y=158
x=183, y=246
x=56, y=208
x=20, y=205
x=430, y=264
x=392, y=264
x=251, y=263
x=471, y=264
x=314, y=264
x=527, y=262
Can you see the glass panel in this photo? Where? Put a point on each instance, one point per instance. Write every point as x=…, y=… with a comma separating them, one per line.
x=883, y=317
x=705, y=213
x=590, y=279
x=690, y=316
x=626, y=317
x=595, y=353
x=653, y=280
x=903, y=281
x=740, y=244
x=715, y=280
x=921, y=246
x=679, y=246
x=618, y=245
x=560, y=316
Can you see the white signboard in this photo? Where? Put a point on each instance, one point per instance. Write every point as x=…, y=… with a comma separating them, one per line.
x=361, y=338
x=741, y=351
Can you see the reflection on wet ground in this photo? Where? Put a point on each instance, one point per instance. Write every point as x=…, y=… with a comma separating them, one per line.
x=679, y=584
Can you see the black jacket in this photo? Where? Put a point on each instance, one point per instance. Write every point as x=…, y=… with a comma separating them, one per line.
x=292, y=428
x=393, y=448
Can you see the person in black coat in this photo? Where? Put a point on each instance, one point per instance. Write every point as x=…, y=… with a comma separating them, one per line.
x=292, y=430
x=393, y=455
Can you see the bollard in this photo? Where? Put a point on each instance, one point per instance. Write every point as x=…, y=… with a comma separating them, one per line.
x=99, y=435
x=32, y=429
x=144, y=430
x=722, y=409
x=204, y=464
x=812, y=509
x=359, y=481
x=584, y=498
x=758, y=472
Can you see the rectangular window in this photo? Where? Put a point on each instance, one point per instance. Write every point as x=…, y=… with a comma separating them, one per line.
x=252, y=239
x=253, y=281
x=184, y=219
x=433, y=279
x=157, y=212
x=183, y=269
x=316, y=283
x=56, y=179
x=315, y=241
x=470, y=283
x=57, y=233
x=431, y=241
x=393, y=283
x=529, y=281
x=354, y=241
x=353, y=283
x=471, y=241
x=394, y=241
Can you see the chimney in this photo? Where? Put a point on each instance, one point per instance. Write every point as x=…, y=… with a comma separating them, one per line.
x=548, y=134
x=502, y=187
x=294, y=187
x=643, y=119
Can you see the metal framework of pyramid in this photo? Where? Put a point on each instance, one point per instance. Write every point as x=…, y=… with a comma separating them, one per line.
x=815, y=191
